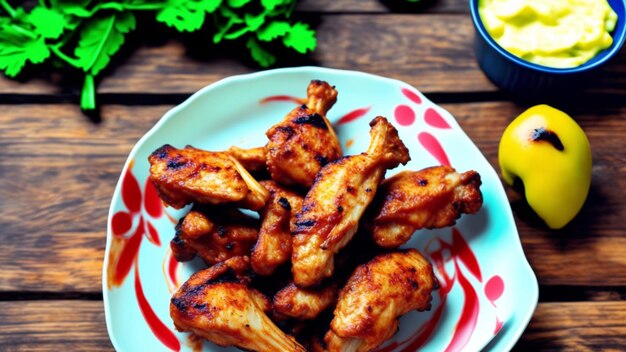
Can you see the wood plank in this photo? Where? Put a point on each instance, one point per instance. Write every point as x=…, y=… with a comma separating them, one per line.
x=430, y=52
x=576, y=326
x=53, y=326
x=79, y=326
x=59, y=170
x=382, y=6
x=58, y=174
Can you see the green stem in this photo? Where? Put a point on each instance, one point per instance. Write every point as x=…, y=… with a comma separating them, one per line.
x=120, y=7
x=88, y=94
x=56, y=49
x=145, y=7
x=24, y=31
x=5, y=5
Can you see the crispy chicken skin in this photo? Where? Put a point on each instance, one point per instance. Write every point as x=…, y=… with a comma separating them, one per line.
x=273, y=247
x=375, y=296
x=302, y=303
x=333, y=206
x=434, y=197
x=217, y=305
x=305, y=141
x=183, y=176
x=214, y=235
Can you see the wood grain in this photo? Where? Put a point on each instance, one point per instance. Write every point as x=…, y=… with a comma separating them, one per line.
x=59, y=171
x=431, y=52
x=576, y=326
x=58, y=174
x=381, y=6
x=53, y=326
x=79, y=326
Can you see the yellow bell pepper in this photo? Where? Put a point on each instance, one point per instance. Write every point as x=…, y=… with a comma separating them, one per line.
x=550, y=153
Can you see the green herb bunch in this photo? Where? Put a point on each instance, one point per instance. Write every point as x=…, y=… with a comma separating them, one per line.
x=84, y=34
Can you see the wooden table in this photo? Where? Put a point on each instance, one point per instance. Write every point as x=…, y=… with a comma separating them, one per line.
x=58, y=169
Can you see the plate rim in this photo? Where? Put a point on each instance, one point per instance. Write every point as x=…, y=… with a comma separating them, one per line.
x=525, y=264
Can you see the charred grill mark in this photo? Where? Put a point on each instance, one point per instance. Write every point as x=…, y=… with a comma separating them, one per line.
x=368, y=190
x=422, y=182
x=302, y=226
x=287, y=130
x=176, y=163
x=313, y=119
x=228, y=276
x=200, y=306
x=322, y=160
x=221, y=231
x=340, y=209
x=541, y=134
x=351, y=190
x=229, y=246
x=162, y=152
x=305, y=223
x=284, y=202
x=179, y=303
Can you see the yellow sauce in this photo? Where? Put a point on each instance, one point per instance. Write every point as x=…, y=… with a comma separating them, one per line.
x=554, y=33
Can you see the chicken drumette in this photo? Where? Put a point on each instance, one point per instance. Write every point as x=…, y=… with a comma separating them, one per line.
x=305, y=141
x=214, y=235
x=333, y=206
x=273, y=247
x=183, y=176
x=217, y=304
x=375, y=296
x=303, y=303
x=434, y=197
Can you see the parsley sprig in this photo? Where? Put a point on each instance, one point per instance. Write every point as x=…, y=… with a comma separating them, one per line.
x=85, y=34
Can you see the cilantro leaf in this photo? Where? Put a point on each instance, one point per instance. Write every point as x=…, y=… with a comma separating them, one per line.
x=184, y=15
x=211, y=5
x=237, y=3
x=260, y=55
x=17, y=48
x=100, y=39
x=101, y=26
x=74, y=7
x=273, y=30
x=271, y=4
x=254, y=22
x=300, y=38
x=48, y=23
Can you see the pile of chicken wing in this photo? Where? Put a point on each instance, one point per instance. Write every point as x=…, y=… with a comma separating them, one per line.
x=319, y=269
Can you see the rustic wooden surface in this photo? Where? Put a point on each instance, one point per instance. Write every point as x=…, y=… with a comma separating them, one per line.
x=58, y=169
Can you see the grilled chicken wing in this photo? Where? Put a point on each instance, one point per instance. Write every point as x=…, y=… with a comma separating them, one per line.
x=223, y=309
x=304, y=304
x=183, y=176
x=273, y=247
x=375, y=296
x=305, y=141
x=333, y=206
x=434, y=197
x=214, y=235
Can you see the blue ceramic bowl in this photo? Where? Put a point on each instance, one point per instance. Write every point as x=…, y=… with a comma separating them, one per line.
x=529, y=80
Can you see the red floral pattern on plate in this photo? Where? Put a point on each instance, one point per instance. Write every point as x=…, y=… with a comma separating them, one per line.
x=140, y=209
